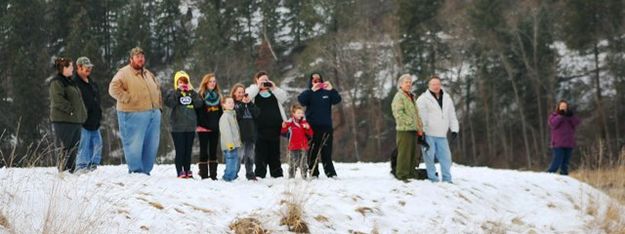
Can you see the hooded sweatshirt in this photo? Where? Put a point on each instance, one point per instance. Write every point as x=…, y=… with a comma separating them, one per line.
x=319, y=104
x=182, y=104
x=246, y=115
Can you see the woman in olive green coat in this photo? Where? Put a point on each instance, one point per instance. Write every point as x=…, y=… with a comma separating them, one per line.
x=408, y=127
x=67, y=113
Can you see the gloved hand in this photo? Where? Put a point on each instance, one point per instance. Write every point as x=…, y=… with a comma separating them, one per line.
x=422, y=142
x=454, y=135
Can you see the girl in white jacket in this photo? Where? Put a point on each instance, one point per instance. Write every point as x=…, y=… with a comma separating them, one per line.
x=439, y=116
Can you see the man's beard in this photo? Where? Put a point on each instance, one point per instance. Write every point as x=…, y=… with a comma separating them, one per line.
x=136, y=66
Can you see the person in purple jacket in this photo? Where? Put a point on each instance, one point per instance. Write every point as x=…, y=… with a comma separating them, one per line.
x=563, y=123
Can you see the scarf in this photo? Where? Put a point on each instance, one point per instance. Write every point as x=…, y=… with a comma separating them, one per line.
x=211, y=98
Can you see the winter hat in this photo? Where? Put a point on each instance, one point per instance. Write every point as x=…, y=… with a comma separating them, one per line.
x=179, y=75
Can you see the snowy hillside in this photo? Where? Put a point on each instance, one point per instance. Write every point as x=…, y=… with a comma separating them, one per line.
x=364, y=199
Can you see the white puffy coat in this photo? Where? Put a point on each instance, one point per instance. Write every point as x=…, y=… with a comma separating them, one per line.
x=437, y=121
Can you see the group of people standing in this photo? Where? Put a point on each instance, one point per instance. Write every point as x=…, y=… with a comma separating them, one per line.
x=75, y=114
x=428, y=119
x=248, y=123
x=425, y=121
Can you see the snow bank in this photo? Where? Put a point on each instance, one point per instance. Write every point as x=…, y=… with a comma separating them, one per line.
x=365, y=198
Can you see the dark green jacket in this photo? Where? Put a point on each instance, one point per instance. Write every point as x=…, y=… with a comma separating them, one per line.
x=66, y=105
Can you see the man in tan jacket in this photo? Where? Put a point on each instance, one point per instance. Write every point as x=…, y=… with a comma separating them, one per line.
x=139, y=103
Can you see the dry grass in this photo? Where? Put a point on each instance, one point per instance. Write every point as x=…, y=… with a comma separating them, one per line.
x=321, y=219
x=607, y=175
x=613, y=220
x=156, y=205
x=607, y=218
x=247, y=226
x=293, y=212
x=4, y=222
x=293, y=218
x=493, y=227
x=609, y=180
x=364, y=210
x=603, y=172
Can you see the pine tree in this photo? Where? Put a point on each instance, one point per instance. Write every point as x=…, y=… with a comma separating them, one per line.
x=419, y=40
x=134, y=29
x=301, y=19
x=585, y=25
x=27, y=68
x=171, y=35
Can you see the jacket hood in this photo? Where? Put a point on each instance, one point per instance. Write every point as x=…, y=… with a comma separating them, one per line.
x=310, y=75
x=180, y=74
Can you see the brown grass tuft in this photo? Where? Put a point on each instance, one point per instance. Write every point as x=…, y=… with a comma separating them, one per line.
x=321, y=219
x=613, y=221
x=364, y=210
x=293, y=218
x=493, y=227
x=609, y=180
x=607, y=175
x=247, y=225
x=156, y=205
x=4, y=222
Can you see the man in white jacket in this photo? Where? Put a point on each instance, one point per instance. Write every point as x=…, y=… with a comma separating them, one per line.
x=439, y=116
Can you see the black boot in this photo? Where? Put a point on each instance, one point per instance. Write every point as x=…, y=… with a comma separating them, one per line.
x=203, y=167
x=213, y=170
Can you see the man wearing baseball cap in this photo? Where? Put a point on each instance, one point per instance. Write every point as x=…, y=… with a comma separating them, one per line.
x=139, y=104
x=90, y=147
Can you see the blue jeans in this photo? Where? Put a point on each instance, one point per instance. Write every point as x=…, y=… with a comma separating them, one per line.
x=439, y=148
x=232, y=164
x=89, y=149
x=140, y=134
x=561, y=158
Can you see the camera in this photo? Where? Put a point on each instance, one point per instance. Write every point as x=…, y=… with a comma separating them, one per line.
x=246, y=95
x=267, y=84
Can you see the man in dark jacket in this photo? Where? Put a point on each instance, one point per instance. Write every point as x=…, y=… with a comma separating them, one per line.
x=90, y=147
x=318, y=100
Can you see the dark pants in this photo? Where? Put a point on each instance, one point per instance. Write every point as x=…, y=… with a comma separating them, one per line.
x=67, y=136
x=268, y=154
x=561, y=158
x=208, y=154
x=326, y=151
x=183, y=144
x=247, y=158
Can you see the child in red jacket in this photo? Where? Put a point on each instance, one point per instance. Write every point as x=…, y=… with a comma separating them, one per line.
x=298, y=131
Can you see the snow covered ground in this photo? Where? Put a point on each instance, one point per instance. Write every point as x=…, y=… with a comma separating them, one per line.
x=364, y=199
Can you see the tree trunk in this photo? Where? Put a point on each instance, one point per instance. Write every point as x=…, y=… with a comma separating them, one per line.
x=599, y=97
x=517, y=98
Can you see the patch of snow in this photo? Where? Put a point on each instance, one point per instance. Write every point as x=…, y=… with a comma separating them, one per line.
x=363, y=198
